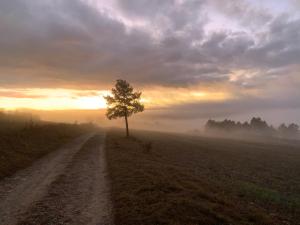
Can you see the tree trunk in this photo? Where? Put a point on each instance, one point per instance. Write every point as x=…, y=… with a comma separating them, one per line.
x=126, y=122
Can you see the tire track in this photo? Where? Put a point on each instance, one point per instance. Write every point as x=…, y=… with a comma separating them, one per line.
x=80, y=195
x=17, y=193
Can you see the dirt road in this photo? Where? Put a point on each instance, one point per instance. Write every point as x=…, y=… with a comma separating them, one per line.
x=68, y=186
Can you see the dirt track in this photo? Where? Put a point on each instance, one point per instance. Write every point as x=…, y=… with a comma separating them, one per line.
x=68, y=186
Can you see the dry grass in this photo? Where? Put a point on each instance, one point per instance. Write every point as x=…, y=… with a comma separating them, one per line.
x=22, y=144
x=190, y=180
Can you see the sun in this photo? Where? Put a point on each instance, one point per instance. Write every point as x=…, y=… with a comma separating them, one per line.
x=91, y=102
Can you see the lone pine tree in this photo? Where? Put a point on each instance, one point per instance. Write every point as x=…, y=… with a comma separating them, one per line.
x=123, y=103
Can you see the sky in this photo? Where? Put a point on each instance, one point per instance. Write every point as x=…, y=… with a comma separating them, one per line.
x=192, y=59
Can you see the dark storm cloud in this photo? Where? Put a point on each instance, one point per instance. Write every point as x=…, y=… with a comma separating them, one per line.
x=73, y=42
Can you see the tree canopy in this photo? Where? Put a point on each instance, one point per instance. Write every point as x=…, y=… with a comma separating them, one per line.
x=123, y=102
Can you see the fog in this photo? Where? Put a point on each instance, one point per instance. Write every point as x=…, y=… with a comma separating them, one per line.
x=156, y=119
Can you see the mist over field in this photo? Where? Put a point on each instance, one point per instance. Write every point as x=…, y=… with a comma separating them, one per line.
x=161, y=119
x=142, y=112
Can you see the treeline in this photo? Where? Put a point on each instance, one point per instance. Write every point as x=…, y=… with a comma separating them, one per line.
x=15, y=120
x=16, y=116
x=25, y=138
x=256, y=126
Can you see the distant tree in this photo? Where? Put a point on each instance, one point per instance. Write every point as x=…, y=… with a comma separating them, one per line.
x=123, y=103
x=239, y=125
x=246, y=126
x=282, y=128
x=210, y=124
x=259, y=124
x=293, y=128
x=290, y=130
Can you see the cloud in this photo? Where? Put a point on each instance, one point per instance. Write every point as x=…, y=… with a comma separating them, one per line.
x=18, y=94
x=226, y=109
x=160, y=43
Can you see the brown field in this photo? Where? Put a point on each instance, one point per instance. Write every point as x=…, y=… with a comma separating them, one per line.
x=181, y=179
x=22, y=143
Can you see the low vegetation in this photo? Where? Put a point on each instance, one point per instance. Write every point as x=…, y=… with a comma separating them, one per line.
x=24, y=138
x=162, y=178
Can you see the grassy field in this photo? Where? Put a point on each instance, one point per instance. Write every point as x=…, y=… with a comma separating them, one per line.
x=180, y=179
x=22, y=142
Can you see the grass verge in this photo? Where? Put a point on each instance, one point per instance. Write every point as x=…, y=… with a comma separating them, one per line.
x=20, y=147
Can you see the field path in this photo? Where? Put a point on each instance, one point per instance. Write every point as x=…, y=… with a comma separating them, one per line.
x=68, y=186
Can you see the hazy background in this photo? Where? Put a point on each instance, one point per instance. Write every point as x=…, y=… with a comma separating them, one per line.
x=193, y=59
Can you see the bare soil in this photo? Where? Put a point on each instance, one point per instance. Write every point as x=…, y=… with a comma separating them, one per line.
x=160, y=178
x=68, y=186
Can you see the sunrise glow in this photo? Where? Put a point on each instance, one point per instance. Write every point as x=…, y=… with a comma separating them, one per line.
x=52, y=99
x=63, y=99
x=191, y=59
